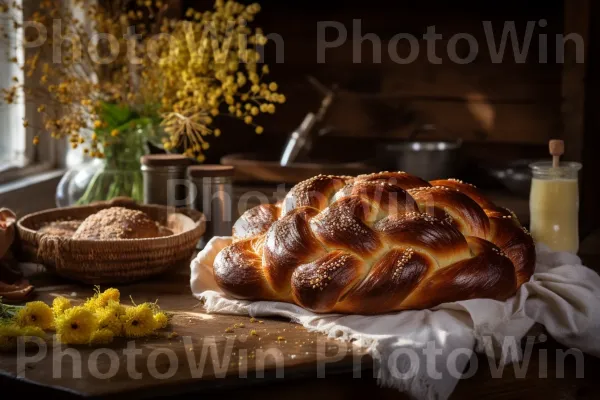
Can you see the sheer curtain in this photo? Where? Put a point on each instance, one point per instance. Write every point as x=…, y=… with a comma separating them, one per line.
x=12, y=133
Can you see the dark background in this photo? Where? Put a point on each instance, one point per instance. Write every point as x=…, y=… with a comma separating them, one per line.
x=526, y=98
x=531, y=102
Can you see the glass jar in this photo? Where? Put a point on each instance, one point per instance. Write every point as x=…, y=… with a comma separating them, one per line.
x=554, y=205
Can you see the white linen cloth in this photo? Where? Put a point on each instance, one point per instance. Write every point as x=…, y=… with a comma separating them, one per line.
x=423, y=353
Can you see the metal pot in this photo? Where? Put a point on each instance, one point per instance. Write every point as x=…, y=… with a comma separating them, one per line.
x=426, y=159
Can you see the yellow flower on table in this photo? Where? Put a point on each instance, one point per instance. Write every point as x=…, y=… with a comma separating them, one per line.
x=59, y=305
x=76, y=325
x=138, y=321
x=10, y=333
x=107, y=296
x=102, y=299
x=161, y=320
x=116, y=308
x=110, y=318
x=35, y=313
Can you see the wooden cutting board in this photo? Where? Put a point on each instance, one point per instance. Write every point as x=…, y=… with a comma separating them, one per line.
x=277, y=348
x=248, y=168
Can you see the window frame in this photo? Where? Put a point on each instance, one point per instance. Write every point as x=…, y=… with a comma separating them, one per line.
x=48, y=153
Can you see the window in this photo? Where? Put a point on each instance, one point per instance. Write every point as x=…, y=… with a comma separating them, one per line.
x=18, y=155
x=12, y=135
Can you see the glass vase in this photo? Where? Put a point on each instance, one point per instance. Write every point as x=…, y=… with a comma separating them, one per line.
x=117, y=174
x=75, y=182
x=111, y=181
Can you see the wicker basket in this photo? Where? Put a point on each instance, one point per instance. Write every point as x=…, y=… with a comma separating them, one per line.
x=108, y=261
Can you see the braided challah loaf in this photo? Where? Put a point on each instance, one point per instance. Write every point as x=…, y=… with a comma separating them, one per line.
x=374, y=244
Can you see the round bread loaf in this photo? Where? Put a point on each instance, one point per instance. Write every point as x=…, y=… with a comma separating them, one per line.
x=117, y=223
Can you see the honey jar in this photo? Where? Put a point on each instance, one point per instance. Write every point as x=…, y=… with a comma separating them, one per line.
x=554, y=205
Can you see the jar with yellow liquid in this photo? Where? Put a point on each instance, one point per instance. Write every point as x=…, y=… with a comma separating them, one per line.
x=554, y=205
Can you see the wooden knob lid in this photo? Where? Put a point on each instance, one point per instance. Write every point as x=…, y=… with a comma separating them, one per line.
x=557, y=149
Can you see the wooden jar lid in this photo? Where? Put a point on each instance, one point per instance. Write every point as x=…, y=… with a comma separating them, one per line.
x=210, y=171
x=165, y=160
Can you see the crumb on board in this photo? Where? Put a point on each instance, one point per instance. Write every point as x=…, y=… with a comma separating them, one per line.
x=253, y=320
x=280, y=338
x=229, y=330
x=253, y=333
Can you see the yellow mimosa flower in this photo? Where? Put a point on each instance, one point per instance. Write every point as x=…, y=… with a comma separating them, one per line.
x=138, y=321
x=35, y=313
x=76, y=325
x=59, y=305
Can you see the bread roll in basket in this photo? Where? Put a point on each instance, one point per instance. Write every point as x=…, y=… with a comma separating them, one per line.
x=375, y=244
x=88, y=244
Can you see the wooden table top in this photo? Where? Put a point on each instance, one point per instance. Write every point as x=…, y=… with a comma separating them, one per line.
x=243, y=363
x=248, y=365
x=252, y=346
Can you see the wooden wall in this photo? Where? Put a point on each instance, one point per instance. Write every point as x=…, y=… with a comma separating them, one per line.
x=481, y=102
x=506, y=102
